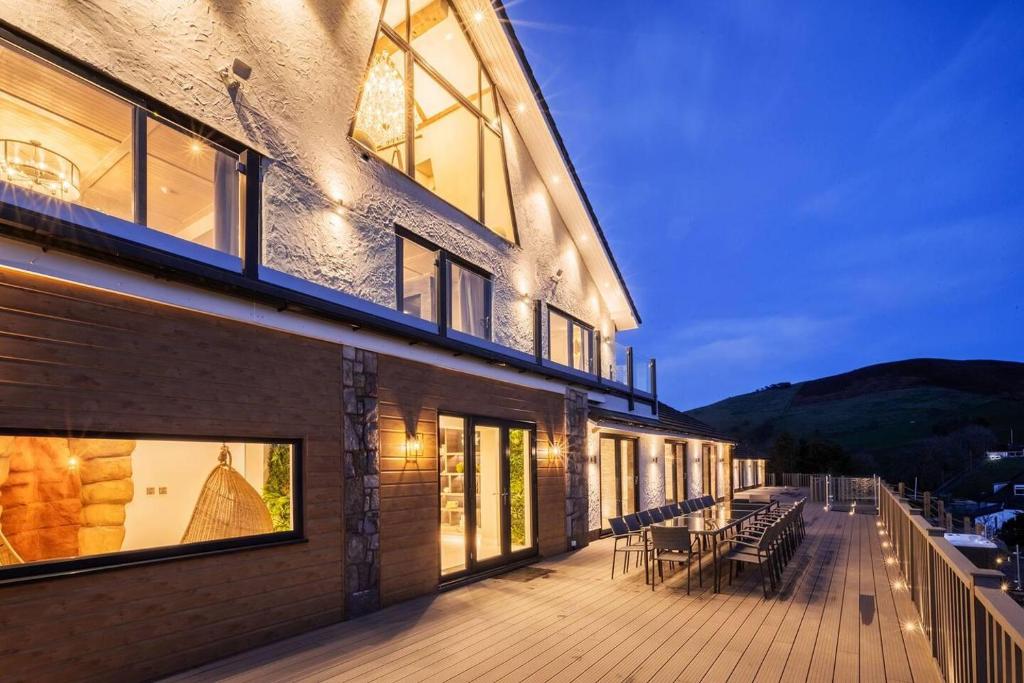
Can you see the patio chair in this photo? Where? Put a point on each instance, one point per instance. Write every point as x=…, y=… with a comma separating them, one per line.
x=645, y=517
x=688, y=507
x=674, y=544
x=762, y=553
x=667, y=511
x=707, y=501
x=656, y=515
x=624, y=543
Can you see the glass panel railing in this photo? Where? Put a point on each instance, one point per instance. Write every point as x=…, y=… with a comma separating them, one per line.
x=642, y=376
x=614, y=361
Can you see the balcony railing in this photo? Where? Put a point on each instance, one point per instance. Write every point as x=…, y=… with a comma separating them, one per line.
x=618, y=364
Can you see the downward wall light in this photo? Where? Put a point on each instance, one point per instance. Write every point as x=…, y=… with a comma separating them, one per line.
x=34, y=167
x=554, y=452
x=413, y=447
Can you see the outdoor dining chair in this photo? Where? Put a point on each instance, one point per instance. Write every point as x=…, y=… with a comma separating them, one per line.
x=625, y=543
x=656, y=515
x=674, y=544
x=667, y=511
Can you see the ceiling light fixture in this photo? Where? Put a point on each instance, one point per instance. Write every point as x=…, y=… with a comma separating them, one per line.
x=34, y=167
x=478, y=16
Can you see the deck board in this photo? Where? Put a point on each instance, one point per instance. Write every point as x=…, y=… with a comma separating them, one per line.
x=836, y=617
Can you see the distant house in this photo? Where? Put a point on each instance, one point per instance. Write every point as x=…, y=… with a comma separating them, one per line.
x=1006, y=451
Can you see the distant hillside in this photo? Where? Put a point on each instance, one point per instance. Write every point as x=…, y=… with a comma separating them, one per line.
x=900, y=417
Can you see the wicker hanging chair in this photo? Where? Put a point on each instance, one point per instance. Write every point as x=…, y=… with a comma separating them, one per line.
x=8, y=555
x=228, y=506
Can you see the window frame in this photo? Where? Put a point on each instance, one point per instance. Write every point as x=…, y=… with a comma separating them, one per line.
x=413, y=58
x=402, y=234
x=49, y=569
x=447, y=260
x=573, y=323
x=143, y=108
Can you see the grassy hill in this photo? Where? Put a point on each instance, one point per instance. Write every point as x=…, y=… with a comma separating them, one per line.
x=895, y=417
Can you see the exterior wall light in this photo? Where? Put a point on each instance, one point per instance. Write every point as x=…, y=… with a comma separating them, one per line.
x=554, y=452
x=72, y=464
x=413, y=447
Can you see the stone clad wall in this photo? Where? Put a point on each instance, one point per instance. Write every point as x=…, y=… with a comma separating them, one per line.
x=576, y=484
x=362, y=481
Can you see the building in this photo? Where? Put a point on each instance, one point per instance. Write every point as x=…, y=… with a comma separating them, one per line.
x=304, y=312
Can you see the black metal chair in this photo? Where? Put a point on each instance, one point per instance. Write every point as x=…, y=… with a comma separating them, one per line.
x=627, y=538
x=707, y=501
x=687, y=506
x=645, y=517
x=667, y=511
x=674, y=544
x=761, y=552
x=656, y=515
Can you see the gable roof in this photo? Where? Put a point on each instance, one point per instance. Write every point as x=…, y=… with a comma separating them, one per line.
x=505, y=59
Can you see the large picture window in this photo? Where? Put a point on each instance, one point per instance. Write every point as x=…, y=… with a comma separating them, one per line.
x=67, y=499
x=570, y=342
x=424, y=75
x=72, y=141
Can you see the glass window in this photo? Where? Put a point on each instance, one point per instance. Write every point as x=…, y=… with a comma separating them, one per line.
x=453, y=106
x=671, y=474
x=70, y=140
x=569, y=342
x=447, y=145
x=497, y=209
x=192, y=188
x=469, y=302
x=63, y=137
x=438, y=37
x=581, y=341
x=558, y=338
x=419, y=279
x=66, y=498
x=452, y=464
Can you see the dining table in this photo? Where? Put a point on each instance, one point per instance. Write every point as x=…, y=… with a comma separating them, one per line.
x=711, y=525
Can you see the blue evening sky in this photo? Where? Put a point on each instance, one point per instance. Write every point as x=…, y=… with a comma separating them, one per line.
x=797, y=188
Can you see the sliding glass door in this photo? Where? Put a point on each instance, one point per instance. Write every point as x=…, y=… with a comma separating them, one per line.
x=487, y=493
x=675, y=471
x=620, y=481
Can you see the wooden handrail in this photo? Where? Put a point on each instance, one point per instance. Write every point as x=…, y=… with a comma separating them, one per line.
x=976, y=630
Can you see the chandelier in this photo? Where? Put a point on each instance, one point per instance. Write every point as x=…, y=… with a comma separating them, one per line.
x=32, y=166
x=381, y=115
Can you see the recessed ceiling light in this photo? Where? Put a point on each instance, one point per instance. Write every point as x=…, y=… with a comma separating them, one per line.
x=521, y=107
x=478, y=16
x=556, y=179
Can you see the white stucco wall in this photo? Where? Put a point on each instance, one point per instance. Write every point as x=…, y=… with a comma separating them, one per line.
x=307, y=63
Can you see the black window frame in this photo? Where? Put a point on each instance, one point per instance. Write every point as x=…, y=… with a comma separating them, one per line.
x=50, y=569
x=573, y=323
x=413, y=57
x=144, y=107
x=401, y=235
x=448, y=260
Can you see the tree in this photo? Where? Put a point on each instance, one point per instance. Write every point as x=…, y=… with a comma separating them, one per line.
x=277, y=487
x=1012, y=532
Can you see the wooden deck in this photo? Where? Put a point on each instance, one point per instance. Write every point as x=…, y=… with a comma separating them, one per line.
x=836, y=617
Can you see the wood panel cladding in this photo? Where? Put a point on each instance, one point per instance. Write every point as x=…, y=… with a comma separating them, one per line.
x=411, y=395
x=77, y=360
